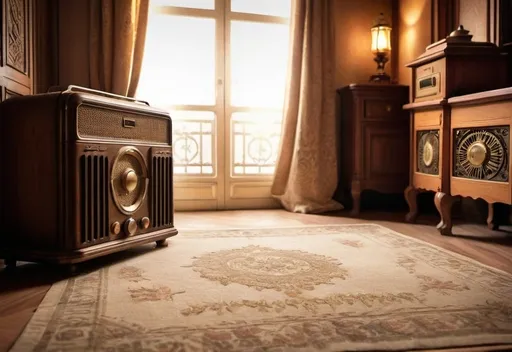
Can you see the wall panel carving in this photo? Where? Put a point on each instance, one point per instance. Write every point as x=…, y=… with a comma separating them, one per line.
x=17, y=54
x=16, y=34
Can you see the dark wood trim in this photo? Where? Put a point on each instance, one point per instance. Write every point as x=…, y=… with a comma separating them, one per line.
x=444, y=17
x=45, y=45
x=395, y=20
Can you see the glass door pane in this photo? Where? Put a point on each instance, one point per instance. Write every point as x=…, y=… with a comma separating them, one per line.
x=258, y=64
x=255, y=142
x=179, y=73
x=193, y=142
x=179, y=61
x=257, y=67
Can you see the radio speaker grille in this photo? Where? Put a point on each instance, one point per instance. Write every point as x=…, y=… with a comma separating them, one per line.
x=103, y=123
x=94, y=198
x=161, y=191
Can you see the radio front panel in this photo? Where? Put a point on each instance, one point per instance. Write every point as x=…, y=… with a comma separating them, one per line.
x=122, y=190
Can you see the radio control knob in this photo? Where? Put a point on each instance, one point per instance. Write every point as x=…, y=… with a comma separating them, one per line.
x=130, y=226
x=130, y=180
x=144, y=223
x=115, y=228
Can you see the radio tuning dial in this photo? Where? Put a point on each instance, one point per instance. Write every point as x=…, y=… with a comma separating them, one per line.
x=130, y=226
x=130, y=180
x=144, y=223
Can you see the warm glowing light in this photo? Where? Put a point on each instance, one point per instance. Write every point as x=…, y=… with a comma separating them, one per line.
x=381, y=39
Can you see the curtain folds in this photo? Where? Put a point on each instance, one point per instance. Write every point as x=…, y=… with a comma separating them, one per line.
x=306, y=170
x=116, y=44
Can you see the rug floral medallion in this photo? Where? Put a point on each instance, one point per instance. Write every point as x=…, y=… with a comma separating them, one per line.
x=311, y=288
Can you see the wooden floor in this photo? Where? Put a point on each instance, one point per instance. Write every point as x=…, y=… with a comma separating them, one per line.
x=22, y=289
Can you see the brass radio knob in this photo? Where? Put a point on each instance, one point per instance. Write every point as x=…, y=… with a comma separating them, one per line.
x=115, y=228
x=130, y=180
x=144, y=223
x=130, y=226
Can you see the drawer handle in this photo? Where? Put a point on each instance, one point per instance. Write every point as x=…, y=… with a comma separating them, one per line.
x=388, y=108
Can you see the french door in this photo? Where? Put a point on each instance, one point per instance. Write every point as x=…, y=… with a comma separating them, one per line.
x=219, y=67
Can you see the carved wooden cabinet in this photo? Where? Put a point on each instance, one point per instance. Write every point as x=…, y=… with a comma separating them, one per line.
x=448, y=68
x=480, y=153
x=17, y=54
x=373, y=145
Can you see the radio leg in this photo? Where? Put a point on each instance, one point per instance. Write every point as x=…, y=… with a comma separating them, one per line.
x=10, y=263
x=70, y=269
x=161, y=243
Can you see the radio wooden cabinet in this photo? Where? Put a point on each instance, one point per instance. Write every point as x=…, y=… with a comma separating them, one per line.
x=373, y=141
x=480, y=153
x=87, y=173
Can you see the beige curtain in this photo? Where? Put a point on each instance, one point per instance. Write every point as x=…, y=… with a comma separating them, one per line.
x=116, y=45
x=306, y=174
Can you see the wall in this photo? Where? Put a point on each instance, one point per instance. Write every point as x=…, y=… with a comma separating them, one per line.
x=415, y=34
x=480, y=17
x=353, y=20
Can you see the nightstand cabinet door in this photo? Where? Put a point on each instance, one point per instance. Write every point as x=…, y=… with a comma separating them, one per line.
x=373, y=141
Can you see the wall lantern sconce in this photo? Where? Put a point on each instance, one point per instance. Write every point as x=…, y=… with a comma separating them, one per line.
x=381, y=48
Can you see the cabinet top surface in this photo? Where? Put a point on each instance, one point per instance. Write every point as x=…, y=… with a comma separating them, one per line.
x=495, y=95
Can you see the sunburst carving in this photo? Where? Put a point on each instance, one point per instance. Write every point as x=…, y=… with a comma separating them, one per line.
x=482, y=153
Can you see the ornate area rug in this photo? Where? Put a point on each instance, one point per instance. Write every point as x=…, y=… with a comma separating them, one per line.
x=326, y=288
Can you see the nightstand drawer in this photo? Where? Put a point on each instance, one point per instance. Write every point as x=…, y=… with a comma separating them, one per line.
x=381, y=108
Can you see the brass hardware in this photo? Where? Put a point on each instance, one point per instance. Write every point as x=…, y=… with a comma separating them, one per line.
x=481, y=154
x=130, y=226
x=144, y=223
x=115, y=228
x=388, y=108
x=428, y=153
x=130, y=180
x=477, y=153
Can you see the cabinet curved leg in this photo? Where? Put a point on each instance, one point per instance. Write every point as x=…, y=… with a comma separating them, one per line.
x=411, y=197
x=356, y=201
x=491, y=221
x=444, y=203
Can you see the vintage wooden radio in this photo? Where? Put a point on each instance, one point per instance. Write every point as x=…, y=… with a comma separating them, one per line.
x=453, y=66
x=480, y=152
x=84, y=173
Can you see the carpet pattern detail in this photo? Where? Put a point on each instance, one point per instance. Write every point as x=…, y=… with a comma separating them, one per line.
x=325, y=288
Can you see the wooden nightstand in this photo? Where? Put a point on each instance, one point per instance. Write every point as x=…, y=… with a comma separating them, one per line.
x=373, y=145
